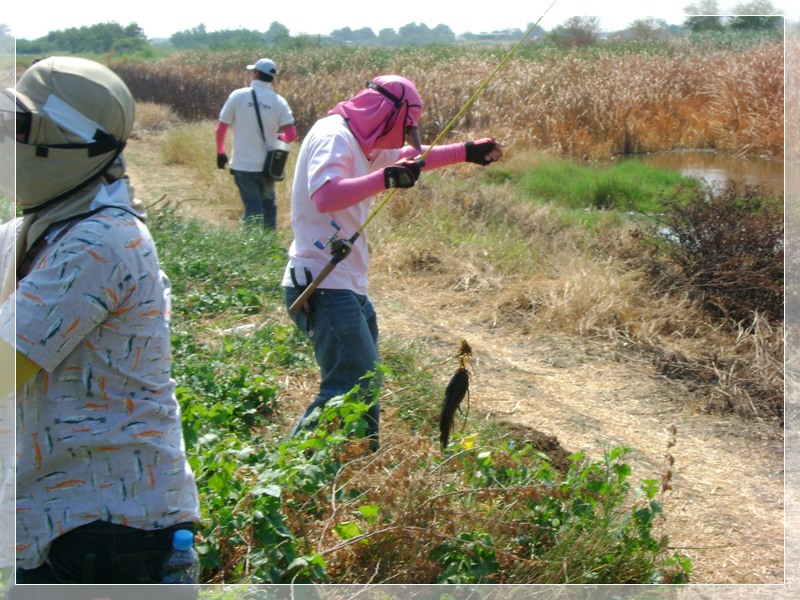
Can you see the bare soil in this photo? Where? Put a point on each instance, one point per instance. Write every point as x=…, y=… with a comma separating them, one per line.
x=726, y=506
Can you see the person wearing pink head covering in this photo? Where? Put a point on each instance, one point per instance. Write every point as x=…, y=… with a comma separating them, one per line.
x=363, y=146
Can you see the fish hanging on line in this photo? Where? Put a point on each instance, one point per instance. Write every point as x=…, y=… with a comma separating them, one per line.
x=455, y=392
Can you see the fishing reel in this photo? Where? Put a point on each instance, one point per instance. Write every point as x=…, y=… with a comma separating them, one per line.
x=339, y=246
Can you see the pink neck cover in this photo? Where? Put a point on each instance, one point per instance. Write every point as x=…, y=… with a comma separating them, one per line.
x=371, y=115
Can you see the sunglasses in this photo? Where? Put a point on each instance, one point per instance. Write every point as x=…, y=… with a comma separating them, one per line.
x=14, y=117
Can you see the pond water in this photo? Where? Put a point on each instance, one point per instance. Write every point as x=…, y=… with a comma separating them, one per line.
x=716, y=168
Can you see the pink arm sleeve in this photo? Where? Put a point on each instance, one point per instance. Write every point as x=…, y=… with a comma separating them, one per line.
x=222, y=129
x=439, y=156
x=338, y=194
x=288, y=134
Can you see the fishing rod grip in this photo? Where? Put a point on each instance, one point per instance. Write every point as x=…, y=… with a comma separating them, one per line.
x=311, y=288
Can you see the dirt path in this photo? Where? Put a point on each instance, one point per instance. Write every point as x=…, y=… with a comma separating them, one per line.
x=726, y=506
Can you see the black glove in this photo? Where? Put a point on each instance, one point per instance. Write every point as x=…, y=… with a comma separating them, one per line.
x=222, y=160
x=478, y=149
x=402, y=174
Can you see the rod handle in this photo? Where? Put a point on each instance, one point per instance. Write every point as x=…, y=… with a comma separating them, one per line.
x=311, y=287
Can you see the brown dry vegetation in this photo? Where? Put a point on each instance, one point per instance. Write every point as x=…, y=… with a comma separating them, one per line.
x=585, y=105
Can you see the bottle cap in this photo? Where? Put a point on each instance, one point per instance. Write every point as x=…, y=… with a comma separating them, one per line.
x=182, y=539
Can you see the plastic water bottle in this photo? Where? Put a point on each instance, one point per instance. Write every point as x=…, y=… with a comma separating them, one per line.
x=182, y=565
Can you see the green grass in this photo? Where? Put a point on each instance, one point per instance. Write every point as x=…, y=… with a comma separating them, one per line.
x=234, y=274
x=624, y=186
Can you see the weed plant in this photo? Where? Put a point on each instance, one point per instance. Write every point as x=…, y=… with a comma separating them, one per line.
x=184, y=145
x=153, y=118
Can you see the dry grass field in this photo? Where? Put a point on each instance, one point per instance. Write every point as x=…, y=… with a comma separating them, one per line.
x=584, y=104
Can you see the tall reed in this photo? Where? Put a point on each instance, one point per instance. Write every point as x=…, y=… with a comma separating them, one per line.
x=584, y=104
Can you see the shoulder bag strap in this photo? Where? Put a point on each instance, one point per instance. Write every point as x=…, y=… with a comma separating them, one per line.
x=258, y=115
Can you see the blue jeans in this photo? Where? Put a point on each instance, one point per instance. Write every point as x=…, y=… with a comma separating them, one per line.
x=258, y=196
x=343, y=328
x=104, y=553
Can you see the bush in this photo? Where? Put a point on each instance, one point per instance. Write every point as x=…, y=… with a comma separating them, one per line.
x=726, y=247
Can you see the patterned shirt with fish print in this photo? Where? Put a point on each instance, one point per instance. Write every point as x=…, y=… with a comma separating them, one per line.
x=98, y=429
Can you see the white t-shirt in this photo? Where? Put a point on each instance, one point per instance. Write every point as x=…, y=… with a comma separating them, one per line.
x=249, y=150
x=98, y=429
x=330, y=151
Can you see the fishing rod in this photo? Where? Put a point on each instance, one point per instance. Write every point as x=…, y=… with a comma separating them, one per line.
x=341, y=247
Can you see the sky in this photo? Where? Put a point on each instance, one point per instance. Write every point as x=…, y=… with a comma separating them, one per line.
x=162, y=18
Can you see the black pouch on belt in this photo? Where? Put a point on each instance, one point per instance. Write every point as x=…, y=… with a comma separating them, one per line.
x=300, y=287
x=303, y=320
